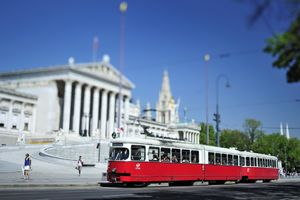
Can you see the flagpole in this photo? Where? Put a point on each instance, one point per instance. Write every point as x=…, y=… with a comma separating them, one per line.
x=95, y=49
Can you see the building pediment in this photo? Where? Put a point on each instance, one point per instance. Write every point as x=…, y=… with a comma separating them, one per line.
x=104, y=71
x=98, y=70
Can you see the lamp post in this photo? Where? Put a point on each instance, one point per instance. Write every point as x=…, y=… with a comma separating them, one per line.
x=206, y=59
x=123, y=9
x=217, y=114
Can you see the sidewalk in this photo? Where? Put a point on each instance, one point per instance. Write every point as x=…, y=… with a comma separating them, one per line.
x=46, y=171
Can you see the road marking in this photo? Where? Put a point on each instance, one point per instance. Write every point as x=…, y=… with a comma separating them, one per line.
x=124, y=195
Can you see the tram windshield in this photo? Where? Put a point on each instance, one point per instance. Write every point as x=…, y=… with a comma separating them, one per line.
x=119, y=153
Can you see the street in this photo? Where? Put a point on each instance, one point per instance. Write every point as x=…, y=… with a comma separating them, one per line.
x=274, y=190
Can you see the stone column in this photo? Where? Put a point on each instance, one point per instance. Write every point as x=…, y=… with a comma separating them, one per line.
x=33, y=118
x=126, y=115
x=194, y=137
x=86, y=110
x=22, y=118
x=103, y=113
x=95, y=111
x=77, y=104
x=67, y=106
x=112, y=106
x=9, y=116
x=126, y=109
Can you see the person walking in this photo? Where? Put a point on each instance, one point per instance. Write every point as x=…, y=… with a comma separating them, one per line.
x=27, y=166
x=79, y=165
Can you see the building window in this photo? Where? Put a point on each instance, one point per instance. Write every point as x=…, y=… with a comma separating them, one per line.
x=26, y=127
x=2, y=125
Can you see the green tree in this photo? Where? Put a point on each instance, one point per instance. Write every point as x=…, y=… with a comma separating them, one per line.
x=293, y=154
x=287, y=150
x=286, y=48
x=273, y=144
x=252, y=129
x=234, y=138
x=212, y=137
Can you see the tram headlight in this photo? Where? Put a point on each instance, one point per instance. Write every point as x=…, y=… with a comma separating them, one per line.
x=114, y=170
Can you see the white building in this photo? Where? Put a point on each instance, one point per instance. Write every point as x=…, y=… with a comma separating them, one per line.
x=17, y=114
x=80, y=99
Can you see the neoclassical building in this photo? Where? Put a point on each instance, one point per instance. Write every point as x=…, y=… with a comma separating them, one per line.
x=79, y=99
x=82, y=100
x=17, y=114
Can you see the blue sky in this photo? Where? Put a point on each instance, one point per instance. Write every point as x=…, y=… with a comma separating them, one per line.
x=170, y=34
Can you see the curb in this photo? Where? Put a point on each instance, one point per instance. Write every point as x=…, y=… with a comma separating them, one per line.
x=48, y=185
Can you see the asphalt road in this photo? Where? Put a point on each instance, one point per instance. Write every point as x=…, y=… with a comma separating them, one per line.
x=275, y=190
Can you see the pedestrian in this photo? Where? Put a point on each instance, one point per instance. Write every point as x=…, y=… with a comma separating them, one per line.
x=79, y=165
x=27, y=166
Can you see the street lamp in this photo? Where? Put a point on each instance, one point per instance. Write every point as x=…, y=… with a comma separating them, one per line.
x=123, y=9
x=217, y=114
x=206, y=59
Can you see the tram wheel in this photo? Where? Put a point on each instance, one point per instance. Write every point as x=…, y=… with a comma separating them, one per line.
x=136, y=184
x=181, y=183
x=266, y=181
x=216, y=182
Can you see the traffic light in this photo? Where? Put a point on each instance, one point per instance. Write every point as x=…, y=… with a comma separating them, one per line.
x=217, y=118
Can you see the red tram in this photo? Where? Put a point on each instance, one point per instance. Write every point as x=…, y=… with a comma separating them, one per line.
x=152, y=160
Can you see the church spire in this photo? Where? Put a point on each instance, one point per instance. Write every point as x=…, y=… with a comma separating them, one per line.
x=166, y=107
x=165, y=87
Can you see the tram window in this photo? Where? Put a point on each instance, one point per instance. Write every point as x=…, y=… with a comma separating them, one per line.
x=195, y=156
x=230, y=160
x=259, y=162
x=118, y=154
x=224, y=159
x=153, y=154
x=242, y=161
x=218, y=159
x=186, y=156
x=175, y=155
x=235, y=160
x=211, y=158
x=137, y=152
x=247, y=161
x=264, y=162
x=255, y=162
x=271, y=163
x=252, y=161
x=165, y=154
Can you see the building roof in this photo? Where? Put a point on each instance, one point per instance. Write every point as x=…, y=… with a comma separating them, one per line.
x=98, y=70
x=15, y=93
